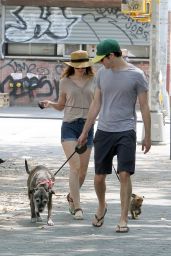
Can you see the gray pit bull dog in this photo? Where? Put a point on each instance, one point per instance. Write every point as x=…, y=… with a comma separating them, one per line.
x=40, y=182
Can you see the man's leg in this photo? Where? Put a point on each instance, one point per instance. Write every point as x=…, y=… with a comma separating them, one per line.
x=100, y=188
x=125, y=196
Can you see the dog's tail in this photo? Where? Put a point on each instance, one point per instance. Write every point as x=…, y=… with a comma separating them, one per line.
x=26, y=167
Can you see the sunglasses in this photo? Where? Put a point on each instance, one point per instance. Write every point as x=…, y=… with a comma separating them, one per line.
x=80, y=68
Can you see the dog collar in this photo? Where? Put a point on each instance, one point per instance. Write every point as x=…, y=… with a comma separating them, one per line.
x=49, y=183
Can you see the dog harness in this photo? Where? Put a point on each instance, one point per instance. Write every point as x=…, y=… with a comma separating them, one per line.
x=49, y=183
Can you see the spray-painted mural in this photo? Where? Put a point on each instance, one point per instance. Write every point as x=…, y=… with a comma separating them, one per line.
x=54, y=24
x=40, y=23
x=28, y=81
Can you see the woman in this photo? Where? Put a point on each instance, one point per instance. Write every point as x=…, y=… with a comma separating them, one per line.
x=76, y=90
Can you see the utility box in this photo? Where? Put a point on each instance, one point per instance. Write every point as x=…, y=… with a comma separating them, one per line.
x=158, y=132
x=4, y=100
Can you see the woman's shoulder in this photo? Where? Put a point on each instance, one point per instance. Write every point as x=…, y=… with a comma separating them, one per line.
x=64, y=80
x=91, y=77
x=64, y=84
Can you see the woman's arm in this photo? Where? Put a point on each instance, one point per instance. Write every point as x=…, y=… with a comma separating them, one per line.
x=59, y=105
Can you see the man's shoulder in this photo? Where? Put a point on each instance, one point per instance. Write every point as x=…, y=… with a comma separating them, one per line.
x=135, y=69
x=138, y=73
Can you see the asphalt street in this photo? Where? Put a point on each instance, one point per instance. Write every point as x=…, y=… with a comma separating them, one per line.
x=28, y=132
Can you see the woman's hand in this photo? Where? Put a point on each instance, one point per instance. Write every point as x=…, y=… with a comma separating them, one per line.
x=45, y=104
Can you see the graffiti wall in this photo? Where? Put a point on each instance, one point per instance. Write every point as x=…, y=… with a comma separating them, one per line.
x=76, y=25
x=28, y=81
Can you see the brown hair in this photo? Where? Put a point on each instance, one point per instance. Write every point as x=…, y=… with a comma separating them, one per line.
x=69, y=71
x=118, y=54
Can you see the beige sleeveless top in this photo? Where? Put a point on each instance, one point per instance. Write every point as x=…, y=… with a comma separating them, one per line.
x=77, y=97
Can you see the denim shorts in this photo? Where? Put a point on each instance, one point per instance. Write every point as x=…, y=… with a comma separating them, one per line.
x=110, y=144
x=71, y=131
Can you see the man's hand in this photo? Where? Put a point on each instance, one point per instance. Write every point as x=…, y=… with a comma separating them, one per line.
x=82, y=139
x=146, y=145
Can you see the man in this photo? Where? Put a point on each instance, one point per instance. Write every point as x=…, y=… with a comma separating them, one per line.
x=119, y=84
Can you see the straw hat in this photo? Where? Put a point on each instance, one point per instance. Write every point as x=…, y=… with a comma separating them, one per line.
x=79, y=59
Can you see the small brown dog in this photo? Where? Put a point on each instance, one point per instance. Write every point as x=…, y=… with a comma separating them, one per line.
x=135, y=206
x=40, y=182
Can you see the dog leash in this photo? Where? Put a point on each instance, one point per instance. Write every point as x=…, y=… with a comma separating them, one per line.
x=118, y=176
x=78, y=149
x=116, y=172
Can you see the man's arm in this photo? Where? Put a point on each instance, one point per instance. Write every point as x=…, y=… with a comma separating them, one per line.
x=91, y=117
x=145, y=112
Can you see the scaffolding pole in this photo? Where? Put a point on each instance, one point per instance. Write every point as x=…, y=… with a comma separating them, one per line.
x=157, y=118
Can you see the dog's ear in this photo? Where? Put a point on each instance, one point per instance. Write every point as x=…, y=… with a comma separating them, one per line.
x=133, y=195
x=32, y=191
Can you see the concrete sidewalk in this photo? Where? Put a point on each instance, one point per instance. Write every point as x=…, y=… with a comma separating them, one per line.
x=39, y=141
x=37, y=113
x=30, y=112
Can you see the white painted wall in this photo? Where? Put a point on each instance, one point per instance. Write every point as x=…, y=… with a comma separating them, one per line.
x=169, y=5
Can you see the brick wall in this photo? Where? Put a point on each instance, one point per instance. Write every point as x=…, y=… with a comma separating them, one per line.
x=28, y=81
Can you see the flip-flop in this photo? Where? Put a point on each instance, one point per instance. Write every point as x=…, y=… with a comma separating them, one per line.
x=100, y=221
x=71, y=204
x=78, y=214
x=122, y=229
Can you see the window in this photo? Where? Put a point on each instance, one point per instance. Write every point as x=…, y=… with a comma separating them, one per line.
x=19, y=49
x=45, y=50
x=137, y=51
x=91, y=49
x=68, y=48
x=41, y=50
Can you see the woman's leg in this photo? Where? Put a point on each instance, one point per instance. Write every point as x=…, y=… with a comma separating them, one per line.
x=78, y=170
x=74, y=163
x=84, y=161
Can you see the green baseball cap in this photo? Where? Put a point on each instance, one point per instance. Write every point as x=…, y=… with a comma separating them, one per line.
x=104, y=48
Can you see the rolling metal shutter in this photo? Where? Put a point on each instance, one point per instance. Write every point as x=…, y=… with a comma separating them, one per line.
x=29, y=24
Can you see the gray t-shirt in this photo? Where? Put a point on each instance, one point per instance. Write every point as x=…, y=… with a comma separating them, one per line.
x=119, y=91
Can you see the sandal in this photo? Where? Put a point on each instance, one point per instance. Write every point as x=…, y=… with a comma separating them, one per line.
x=99, y=221
x=71, y=204
x=122, y=229
x=78, y=214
